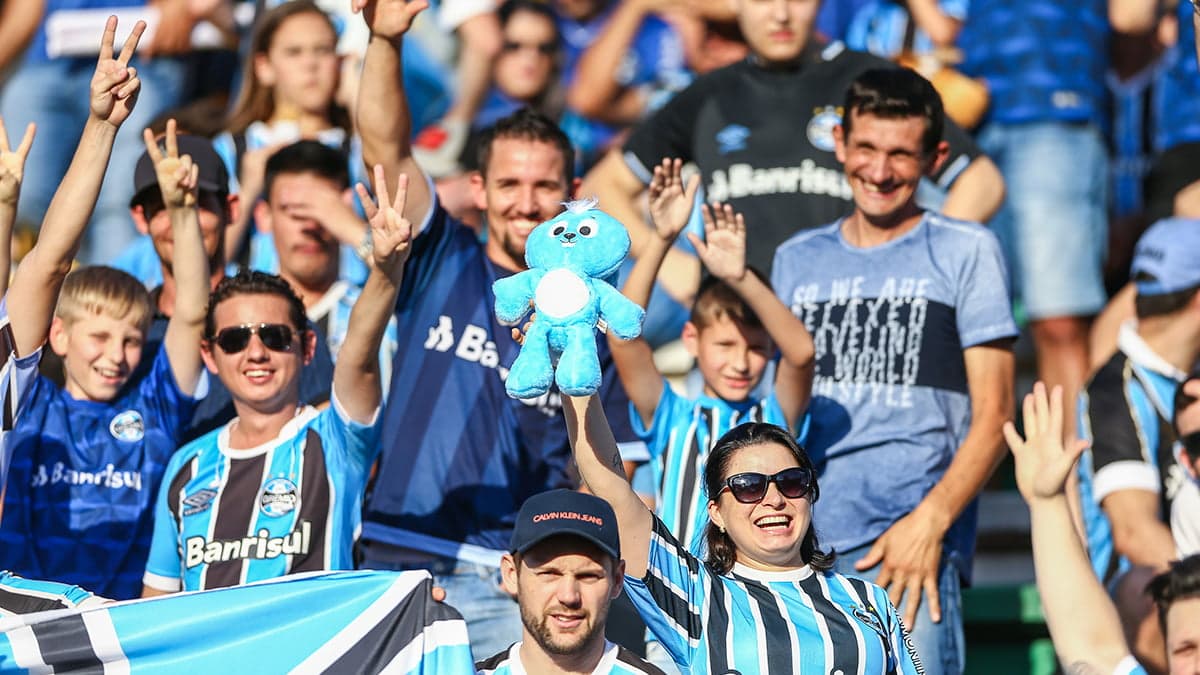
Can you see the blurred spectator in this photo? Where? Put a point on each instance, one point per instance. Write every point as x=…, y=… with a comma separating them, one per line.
x=288, y=93
x=19, y=20
x=12, y=171
x=1044, y=63
x=889, y=28
x=1130, y=477
x=1185, y=508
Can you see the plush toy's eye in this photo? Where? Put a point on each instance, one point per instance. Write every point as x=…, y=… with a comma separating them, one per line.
x=557, y=231
x=589, y=228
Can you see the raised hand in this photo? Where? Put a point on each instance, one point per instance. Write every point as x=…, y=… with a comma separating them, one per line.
x=391, y=233
x=178, y=177
x=1042, y=462
x=115, y=85
x=389, y=18
x=671, y=202
x=723, y=250
x=12, y=164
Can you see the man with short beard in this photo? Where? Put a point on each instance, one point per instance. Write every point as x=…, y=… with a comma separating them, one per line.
x=564, y=567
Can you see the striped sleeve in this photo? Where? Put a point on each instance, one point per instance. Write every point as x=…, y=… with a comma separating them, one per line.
x=357, y=443
x=17, y=375
x=164, y=567
x=904, y=653
x=1120, y=421
x=671, y=596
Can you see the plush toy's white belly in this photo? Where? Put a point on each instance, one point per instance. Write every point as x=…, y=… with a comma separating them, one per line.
x=561, y=293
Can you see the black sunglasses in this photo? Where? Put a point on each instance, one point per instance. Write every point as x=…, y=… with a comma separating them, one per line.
x=750, y=488
x=543, y=48
x=275, y=336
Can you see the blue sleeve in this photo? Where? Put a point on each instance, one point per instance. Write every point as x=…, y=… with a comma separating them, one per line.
x=671, y=596
x=349, y=445
x=984, y=307
x=164, y=569
x=227, y=151
x=160, y=397
x=904, y=653
x=658, y=435
x=955, y=9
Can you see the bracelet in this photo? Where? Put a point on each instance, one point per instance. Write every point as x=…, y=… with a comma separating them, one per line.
x=366, y=248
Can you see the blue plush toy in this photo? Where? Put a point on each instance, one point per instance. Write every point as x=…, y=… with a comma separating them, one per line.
x=570, y=258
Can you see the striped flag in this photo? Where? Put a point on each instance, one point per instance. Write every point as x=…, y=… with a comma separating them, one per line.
x=322, y=622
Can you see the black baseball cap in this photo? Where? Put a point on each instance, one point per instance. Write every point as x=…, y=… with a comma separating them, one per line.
x=566, y=512
x=213, y=176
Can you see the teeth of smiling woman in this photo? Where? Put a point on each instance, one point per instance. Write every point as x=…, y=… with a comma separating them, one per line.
x=257, y=373
x=772, y=521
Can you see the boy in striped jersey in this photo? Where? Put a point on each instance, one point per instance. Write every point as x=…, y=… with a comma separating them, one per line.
x=564, y=568
x=735, y=326
x=279, y=489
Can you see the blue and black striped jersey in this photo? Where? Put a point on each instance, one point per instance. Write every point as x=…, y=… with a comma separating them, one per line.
x=227, y=517
x=767, y=623
x=27, y=596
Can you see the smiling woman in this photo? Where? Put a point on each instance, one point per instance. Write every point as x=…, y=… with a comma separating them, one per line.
x=765, y=600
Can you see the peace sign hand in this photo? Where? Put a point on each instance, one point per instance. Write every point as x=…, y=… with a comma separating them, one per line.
x=177, y=176
x=391, y=233
x=12, y=164
x=723, y=250
x=115, y=85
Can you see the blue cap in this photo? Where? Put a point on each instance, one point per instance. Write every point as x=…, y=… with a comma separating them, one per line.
x=566, y=512
x=1167, y=257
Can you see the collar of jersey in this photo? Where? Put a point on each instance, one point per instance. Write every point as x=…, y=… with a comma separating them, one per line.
x=303, y=415
x=841, y=236
x=1132, y=344
x=606, y=665
x=790, y=576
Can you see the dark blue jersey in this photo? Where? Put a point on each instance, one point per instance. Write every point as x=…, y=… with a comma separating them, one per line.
x=460, y=456
x=81, y=489
x=1043, y=60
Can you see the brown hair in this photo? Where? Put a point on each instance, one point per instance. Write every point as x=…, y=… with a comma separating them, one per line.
x=716, y=300
x=98, y=289
x=256, y=102
x=722, y=552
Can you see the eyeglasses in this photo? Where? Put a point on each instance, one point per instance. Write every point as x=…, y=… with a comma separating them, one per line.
x=275, y=336
x=750, y=488
x=543, y=48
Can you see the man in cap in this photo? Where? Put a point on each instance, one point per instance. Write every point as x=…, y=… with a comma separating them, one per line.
x=1129, y=476
x=564, y=567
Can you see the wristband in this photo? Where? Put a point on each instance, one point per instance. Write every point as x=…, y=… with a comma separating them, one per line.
x=366, y=248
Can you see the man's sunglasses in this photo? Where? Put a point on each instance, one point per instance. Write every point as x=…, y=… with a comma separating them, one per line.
x=275, y=336
x=750, y=488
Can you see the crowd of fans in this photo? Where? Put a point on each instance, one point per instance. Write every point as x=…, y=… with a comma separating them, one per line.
x=279, y=351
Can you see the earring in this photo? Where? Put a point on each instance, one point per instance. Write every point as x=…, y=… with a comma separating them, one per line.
x=721, y=529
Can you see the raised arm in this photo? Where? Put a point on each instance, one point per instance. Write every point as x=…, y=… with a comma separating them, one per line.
x=356, y=382
x=177, y=180
x=12, y=169
x=384, y=121
x=670, y=208
x=595, y=92
x=39, y=278
x=941, y=28
x=723, y=252
x=602, y=471
x=1083, y=623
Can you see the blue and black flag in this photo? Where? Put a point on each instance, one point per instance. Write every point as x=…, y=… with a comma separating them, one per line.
x=324, y=622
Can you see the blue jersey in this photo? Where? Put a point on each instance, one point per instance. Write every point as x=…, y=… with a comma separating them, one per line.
x=79, y=507
x=1136, y=119
x=323, y=622
x=1043, y=60
x=459, y=455
x=1179, y=105
x=27, y=596
x=616, y=661
x=227, y=517
x=761, y=623
x=880, y=27
x=679, y=439
x=1125, y=411
x=890, y=402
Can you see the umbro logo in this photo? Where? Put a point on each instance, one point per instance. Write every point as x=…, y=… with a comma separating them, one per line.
x=732, y=139
x=199, y=501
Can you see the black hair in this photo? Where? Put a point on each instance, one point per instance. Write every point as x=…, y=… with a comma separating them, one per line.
x=252, y=282
x=1180, y=582
x=722, y=552
x=895, y=93
x=528, y=125
x=508, y=8
x=1161, y=304
x=306, y=156
x=1181, y=402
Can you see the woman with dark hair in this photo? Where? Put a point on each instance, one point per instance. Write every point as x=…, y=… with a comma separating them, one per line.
x=765, y=599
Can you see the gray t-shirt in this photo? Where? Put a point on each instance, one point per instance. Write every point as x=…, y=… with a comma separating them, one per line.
x=890, y=399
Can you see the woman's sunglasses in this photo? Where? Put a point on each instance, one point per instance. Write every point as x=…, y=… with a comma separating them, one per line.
x=275, y=336
x=543, y=48
x=750, y=488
